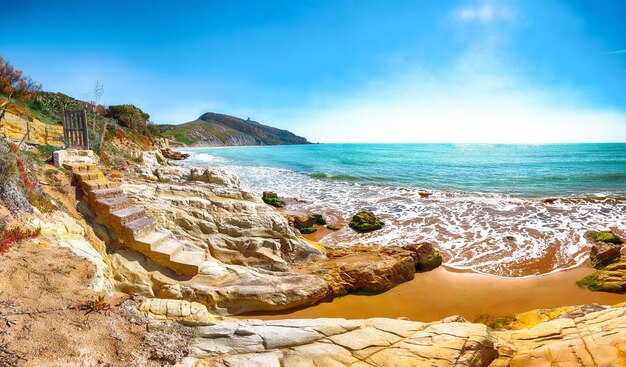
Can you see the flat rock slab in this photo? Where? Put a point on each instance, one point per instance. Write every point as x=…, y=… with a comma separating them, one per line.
x=594, y=339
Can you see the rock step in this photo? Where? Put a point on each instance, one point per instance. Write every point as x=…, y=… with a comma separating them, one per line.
x=114, y=203
x=96, y=185
x=76, y=167
x=154, y=238
x=191, y=258
x=89, y=176
x=128, y=214
x=170, y=247
x=140, y=227
x=105, y=194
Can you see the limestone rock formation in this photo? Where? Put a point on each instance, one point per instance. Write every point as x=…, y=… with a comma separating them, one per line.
x=372, y=268
x=208, y=208
x=224, y=289
x=596, y=338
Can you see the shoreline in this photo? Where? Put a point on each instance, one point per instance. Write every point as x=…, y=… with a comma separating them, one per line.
x=440, y=293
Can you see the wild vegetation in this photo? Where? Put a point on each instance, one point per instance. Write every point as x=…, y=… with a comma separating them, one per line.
x=14, y=82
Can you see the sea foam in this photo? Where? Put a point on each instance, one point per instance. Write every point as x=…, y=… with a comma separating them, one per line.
x=488, y=233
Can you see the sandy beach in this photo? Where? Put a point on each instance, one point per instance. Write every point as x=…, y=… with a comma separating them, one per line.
x=437, y=294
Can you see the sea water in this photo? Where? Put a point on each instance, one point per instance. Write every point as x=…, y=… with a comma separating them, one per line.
x=486, y=209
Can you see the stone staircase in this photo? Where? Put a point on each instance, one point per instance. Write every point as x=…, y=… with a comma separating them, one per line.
x=129, y=224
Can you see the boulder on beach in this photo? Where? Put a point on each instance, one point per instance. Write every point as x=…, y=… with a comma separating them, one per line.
x=605, y=236
x=604, y=253
x=319, y=219
x=365, y=222
x=426, y=257
x=303, y=223
x=611, y=264
x=273, y=199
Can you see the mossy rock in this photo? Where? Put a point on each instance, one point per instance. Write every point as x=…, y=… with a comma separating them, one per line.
x=365, y=222
x=427, y=263
x=319, y=219
x=332, y=227
x=603, y=254
x=590, y=282
x=605, y=236
x=307, y=230
x=272, y=199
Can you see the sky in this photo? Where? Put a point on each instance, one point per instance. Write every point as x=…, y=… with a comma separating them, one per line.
x=485, y=71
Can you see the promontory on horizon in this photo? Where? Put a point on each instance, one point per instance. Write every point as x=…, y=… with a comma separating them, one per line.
x=215, y=129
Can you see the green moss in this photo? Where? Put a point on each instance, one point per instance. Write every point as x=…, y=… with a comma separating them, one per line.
x=501, y=322
x=51, y=172
x=590, y=282
x=273, y=199
x=319, y=219
x=307, y=230
x=332, y=227
x=429, y=263
x=605, y=236
x=365, y=222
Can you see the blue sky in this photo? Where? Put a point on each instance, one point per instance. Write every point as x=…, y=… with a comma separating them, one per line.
x=343, y=71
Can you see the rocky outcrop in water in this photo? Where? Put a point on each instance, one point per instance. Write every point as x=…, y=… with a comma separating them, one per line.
x=365, y=222
x=171, y=154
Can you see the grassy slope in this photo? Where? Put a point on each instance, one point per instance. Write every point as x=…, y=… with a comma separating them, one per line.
x=223, y=128
x=190, y=132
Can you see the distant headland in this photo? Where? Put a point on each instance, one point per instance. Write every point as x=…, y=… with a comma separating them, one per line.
x=215, y=129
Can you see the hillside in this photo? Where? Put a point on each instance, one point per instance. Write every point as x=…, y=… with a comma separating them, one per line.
x=214, y=129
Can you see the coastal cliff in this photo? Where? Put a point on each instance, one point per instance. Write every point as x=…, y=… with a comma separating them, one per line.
x=214, y=129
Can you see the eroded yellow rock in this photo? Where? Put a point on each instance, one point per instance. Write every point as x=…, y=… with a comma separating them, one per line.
x=178, y=310
x=15, y=127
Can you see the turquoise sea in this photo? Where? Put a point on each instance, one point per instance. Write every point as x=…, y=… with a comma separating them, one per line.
x=530, y=170
x=486, y=209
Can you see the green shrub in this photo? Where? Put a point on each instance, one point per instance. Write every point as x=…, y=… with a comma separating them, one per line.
x=129, y=116
x=45, y=151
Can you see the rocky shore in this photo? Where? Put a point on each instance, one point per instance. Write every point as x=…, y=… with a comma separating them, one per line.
x=254, y=262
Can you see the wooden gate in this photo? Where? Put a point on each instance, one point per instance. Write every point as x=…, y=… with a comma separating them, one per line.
x=75, y=129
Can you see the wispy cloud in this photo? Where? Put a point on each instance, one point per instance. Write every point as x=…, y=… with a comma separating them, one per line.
x=616, y=52
x=479, y=96
x=485, y=12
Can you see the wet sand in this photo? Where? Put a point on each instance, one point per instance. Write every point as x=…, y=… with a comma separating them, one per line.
x=441, y=293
